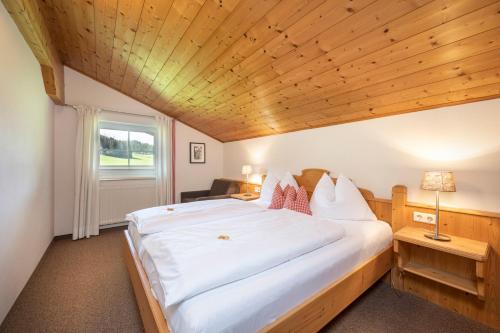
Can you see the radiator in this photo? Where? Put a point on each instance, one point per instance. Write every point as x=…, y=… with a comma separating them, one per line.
x=119, y=197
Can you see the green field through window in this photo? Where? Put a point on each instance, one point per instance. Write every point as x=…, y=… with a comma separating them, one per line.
x=123, y=148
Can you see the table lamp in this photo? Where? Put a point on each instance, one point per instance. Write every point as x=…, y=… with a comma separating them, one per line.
x=246, y=170
x=439, y=181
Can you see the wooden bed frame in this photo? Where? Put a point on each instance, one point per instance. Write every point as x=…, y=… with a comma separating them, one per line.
x=309, y=316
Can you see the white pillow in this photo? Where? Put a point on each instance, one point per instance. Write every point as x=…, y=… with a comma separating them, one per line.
x=288, y=179
x=324, y=193
x=349, y=204
x=266, y=192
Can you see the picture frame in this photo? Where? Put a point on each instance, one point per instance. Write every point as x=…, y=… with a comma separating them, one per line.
x=196, y=153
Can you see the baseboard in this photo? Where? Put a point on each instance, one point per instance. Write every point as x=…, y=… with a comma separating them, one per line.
x=102, y=227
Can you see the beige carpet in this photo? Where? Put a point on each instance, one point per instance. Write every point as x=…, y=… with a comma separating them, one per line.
x=83, y=286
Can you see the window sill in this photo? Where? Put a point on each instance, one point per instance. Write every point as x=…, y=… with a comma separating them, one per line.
x=108, y=179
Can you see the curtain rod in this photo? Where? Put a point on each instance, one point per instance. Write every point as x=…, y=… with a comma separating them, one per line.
x=107, y=110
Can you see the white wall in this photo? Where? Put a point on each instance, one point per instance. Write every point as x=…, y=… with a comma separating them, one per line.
x=380, y=153
x=81, y=89
x=26, y=190
x=193, y=177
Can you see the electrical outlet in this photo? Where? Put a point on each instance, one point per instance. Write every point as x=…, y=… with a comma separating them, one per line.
x=424, y=218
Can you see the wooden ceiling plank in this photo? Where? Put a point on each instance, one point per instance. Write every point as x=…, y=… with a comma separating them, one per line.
x=152, y=19
x=68, y=33
x=448, y=99
x=457, y=68
x=211, y=15
x=430, y=102
x=428, y=76
x=321, y=19
x=83, y=14
x=453, y=30
x=234, y=70
x=265, y=29
x=181, y=15
x=369, y=18
x=127, y=21
x=377, y=58
x=472, y=80
x=242, y=18
x=53, y=26
x=469, y=47
x=30, y=21
x=269, y=28
x=105, y=21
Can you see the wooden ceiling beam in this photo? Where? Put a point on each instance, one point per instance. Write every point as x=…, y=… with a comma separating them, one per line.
x=30, y=22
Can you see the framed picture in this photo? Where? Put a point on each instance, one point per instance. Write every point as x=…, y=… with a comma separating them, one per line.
x=196, y=152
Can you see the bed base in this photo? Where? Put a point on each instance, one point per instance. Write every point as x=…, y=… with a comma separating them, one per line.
x=309, y=316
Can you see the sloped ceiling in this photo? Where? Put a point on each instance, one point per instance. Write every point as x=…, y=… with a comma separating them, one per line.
x=236, y=69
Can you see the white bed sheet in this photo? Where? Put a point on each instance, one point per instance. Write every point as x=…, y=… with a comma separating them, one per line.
x=250, y=304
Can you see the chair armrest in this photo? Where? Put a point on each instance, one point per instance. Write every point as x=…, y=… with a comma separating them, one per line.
x=214, y=197
x=193, y=194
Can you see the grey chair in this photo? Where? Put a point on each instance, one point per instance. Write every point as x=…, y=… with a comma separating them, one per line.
x=221, y=189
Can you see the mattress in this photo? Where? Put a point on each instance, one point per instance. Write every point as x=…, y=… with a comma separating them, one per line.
x=250, y=304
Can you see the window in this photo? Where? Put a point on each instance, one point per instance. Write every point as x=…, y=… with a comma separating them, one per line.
x=126, y=150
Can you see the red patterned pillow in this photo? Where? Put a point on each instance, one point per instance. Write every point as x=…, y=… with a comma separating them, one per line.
x=278, y=198
x=301, y=204
x=291, y=195
x=285, y=191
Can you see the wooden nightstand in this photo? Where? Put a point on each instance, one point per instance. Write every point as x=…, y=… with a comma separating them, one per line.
x=459, y=263
x=245, y=196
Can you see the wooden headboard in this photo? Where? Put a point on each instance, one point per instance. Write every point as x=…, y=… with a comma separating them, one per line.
x=310, y=177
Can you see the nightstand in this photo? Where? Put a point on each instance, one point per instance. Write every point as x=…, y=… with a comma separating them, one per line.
x=460, y=263
x=245, y=196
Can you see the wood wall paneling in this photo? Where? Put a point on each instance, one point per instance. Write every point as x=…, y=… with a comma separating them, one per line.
x=238, y=69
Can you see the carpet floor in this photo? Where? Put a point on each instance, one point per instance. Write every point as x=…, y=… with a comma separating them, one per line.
x=83, y=286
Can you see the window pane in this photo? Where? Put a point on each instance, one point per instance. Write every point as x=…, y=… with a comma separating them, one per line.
x=142, y=148
x=114, y=148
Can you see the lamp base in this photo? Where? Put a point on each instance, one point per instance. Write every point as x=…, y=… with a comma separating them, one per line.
x=439, y=237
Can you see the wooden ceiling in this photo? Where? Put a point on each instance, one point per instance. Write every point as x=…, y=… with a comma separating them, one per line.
x=237, y=69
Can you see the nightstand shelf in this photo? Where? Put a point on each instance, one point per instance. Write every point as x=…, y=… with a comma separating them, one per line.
x=413, y=249
x=442, y=277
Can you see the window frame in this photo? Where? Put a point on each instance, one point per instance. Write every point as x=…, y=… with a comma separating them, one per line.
x=129, y=171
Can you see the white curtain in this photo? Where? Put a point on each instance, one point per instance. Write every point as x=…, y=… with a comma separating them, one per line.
x=86, y=216
x=164, y=161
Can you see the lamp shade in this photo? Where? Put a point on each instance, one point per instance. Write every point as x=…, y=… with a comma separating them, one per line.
x=442, y=181
x=246, y=170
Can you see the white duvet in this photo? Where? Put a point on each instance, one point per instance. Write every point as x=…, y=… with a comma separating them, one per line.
x=201, y=257
x=167, y=218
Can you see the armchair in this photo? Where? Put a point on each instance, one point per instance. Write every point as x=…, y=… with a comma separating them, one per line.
x=221, y=189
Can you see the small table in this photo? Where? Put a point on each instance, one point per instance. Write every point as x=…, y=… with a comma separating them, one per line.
x=473, y=251
x=245, y=196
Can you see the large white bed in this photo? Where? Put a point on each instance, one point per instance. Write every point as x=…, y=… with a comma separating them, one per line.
x=250, y=304
x=301, y=291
